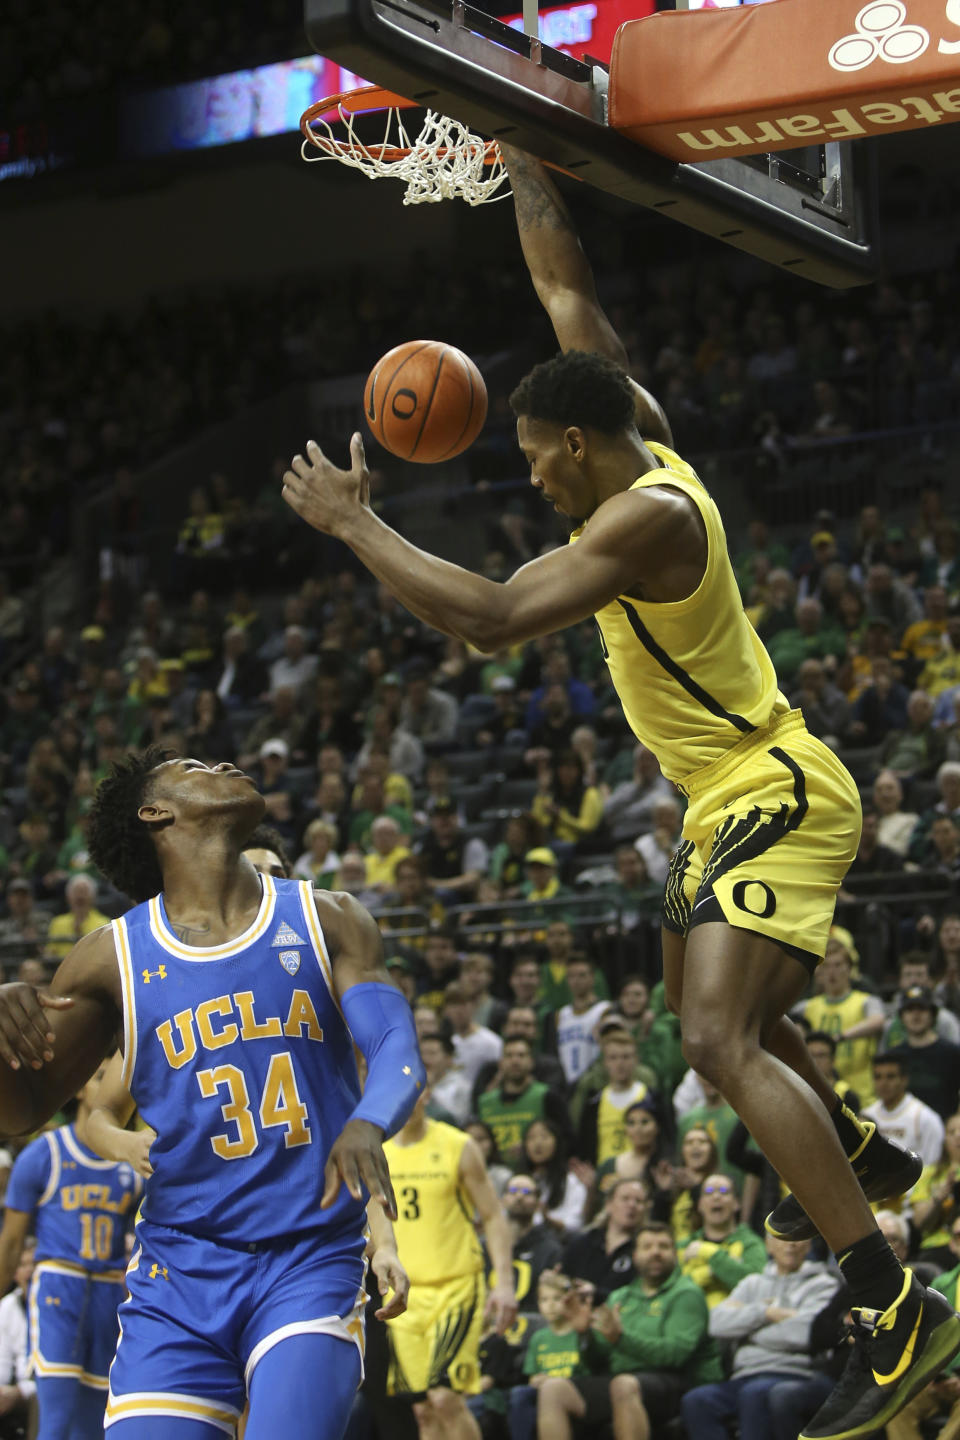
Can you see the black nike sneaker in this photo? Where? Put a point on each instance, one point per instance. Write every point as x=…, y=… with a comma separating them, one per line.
x=883, y=1168
x=895, y=1353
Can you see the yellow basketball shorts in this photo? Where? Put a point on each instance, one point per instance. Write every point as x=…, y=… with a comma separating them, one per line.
x=436, y=1341
x=769, y=833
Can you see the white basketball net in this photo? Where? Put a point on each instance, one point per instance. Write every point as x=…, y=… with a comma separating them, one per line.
x=443, y=162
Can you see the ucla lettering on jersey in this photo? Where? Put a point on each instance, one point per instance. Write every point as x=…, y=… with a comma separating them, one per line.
x=240, y=1059
x=83, y=1205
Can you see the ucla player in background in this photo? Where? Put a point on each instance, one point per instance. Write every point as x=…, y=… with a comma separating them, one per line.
x=239, y=999
x=774, y=818
x=80, y=1208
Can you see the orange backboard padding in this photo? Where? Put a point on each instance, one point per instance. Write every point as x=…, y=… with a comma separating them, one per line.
x=704, y=84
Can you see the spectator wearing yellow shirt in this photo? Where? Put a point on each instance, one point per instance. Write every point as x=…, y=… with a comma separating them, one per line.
x=388, y=849
x=80, y=919
x=854, y=1018
x=567, y=809
x=923, y=640
x=942, y=671
x=149, y=681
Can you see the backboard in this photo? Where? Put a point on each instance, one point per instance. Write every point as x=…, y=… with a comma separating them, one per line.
x=810, y=212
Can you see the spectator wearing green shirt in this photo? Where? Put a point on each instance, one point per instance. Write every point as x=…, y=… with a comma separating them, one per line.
x=942, y=1396
x=554, y=988
x=553, y=1351
x=721, y=1253
x=718, y=1119
x=518, y=1100
x=810, y=637
x=651, y=1339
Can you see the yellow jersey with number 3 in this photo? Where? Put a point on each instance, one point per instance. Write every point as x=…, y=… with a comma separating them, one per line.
x=692, y=675
x=436, y=1238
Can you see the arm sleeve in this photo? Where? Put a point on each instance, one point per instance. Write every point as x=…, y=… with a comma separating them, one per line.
x=381, y=1023
x=29, y=1177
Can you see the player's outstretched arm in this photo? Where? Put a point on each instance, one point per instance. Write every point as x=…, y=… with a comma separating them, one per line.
x=563, y=279
x=106, y=1131
x=52, y=1042
x=385, y=1263
x=625, y=543
x=381, y=1023
x=502, y=1300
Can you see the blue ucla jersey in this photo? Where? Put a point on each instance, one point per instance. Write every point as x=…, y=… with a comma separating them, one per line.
x=82, y=1205
x=240, y=1059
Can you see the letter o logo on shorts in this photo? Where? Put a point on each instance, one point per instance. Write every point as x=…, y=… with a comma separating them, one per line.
x=755, y=897
x=881, y=33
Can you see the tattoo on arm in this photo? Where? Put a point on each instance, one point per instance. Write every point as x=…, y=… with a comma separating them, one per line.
x=536, y=198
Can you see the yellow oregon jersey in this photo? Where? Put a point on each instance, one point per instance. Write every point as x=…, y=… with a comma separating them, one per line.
x=853, y=1061
x=436, y=1238
x=693, y=676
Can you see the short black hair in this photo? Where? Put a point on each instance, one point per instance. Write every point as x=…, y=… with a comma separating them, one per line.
x=443, y=1038
x=268, y=837
x=518, y=1040
x=119, y=842
x=578, y=388
x=889, y=1057
x=821, y=1037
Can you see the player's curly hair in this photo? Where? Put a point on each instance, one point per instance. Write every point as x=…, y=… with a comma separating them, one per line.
x=578, y=388
x=120, y=844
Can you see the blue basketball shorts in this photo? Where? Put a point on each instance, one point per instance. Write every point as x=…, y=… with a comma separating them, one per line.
x=72, y=1317
x=201, y=1315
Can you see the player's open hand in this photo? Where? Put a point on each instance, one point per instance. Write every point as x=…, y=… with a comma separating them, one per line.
x=328, y=498
x=501, y=1308
x=25, y=1034
x=138, y=1154
x=357, y=1159
x=391, y=1275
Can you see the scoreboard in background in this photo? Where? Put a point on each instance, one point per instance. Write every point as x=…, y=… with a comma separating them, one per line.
x=586, y=28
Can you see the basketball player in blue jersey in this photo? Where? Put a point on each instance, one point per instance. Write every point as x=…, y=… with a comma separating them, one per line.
x=773, y=819
x=80, y=1207
x=238, y=999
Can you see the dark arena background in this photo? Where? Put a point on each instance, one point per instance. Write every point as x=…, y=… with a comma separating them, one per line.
x=184, y=303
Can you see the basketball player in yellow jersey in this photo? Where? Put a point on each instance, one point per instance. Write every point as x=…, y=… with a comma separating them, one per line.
x=773, y=820
x=441, y=1182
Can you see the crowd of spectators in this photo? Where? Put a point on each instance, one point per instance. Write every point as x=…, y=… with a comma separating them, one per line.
x=738, y=365
x=49, y=54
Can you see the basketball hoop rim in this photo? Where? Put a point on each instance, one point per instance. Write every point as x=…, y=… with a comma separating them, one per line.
x=353, y=102
x=369, y=98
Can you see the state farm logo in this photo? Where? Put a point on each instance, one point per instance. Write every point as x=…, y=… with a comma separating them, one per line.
x=881, y=34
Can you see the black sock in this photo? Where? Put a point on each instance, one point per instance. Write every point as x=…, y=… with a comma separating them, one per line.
x=873, y=1274
x=851, y=1130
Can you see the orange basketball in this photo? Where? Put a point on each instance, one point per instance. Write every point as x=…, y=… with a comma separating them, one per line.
x=425, y=401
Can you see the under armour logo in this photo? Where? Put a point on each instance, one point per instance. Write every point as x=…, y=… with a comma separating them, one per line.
x=160, y=974
x=881, y=33
x=158, y=1272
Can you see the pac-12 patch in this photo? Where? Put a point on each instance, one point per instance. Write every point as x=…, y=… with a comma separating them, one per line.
x=290, y=960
